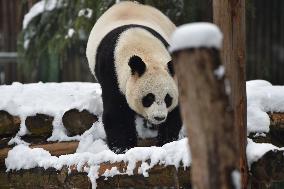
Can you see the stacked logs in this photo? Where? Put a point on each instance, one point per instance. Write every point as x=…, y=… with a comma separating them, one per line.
x=40, y=126
x=266, y=170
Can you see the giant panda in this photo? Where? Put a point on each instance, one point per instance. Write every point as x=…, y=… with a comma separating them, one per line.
x=127, y=53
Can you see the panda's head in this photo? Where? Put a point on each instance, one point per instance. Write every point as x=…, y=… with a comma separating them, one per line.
x=151, y=91
x=145, y=74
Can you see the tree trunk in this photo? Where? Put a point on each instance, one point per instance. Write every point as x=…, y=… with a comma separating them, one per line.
x=206, y=110
x=229, y=15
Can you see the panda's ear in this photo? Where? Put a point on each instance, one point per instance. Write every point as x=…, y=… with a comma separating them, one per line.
x=137, y=65
x=171, y=68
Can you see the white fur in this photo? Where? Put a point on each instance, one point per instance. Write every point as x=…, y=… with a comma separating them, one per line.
x=125, y=13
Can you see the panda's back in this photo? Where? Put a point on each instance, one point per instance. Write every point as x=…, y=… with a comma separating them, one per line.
x=126, y=13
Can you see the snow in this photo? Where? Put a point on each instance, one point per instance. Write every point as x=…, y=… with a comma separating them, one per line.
x=87, y=12
x=52, y=99
x=70, y=33
x=38, y=8
x=236, y=177
x=196, y=35
x=175, y=153
x=143, y=131
x=255, y=151
x=262, y=97
x=219, y=72
x=56, y=98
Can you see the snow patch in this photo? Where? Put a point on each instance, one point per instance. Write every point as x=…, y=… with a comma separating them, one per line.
x=87, y=12
x=255, y=151
x=70, y=33
x=236, y=178
x=40, y=7
x=174, y=153
x=219, y=72
x=262, y=97
x=196, y=35
x=143, y=130
x=52, y=99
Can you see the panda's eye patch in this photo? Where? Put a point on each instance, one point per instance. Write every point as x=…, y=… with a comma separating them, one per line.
x=168, y=100
x=148, y=100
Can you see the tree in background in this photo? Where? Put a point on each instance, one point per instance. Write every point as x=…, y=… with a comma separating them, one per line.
x=52, y=44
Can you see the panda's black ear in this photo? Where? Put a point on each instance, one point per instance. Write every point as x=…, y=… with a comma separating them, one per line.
x=171, y=68
x=137, y=65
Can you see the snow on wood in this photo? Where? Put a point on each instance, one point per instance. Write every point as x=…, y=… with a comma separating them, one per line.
x=53, y=99
x=196, y=35
x=262, y=97
x=175, y=153
x=26, y=102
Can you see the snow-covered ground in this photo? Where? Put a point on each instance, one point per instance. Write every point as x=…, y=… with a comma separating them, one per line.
x=56, y=98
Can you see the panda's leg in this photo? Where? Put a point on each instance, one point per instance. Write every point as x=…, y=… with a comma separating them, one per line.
x=120, y=129
x=169, y=130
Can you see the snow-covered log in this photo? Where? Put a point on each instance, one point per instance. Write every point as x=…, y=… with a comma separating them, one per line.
x=205, y=106
x=267, y=169
x=74, y=121
x=159, y=176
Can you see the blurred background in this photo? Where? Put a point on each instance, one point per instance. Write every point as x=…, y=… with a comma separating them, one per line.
x=45, y=40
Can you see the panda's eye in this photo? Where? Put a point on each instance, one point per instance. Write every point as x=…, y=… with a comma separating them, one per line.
x=148, y=100
x=168, y=100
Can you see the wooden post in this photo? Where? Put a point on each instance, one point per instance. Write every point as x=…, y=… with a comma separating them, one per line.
x=229, y=15
x=207, y=114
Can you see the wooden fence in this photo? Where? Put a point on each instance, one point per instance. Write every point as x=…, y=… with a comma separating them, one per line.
x=265, y=42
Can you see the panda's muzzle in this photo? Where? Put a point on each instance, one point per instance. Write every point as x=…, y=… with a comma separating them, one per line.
x=160, y=118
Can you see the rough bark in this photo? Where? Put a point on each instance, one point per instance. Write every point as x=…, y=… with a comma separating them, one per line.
x=269, y=168
x=40, y=125
x=264, y=172
x=50, y=178
x=229, y=15
x=9, y=125
x=76, y=122
x=208, y=117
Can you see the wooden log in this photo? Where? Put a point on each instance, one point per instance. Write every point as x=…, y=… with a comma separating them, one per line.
x=277, y=128
x=40, y=125
x=55, y=149
x=206, y=110
x=266, y=171
x=62, y=148
x=9, y=125
x=163, y=176
x=76, y=122
x=269, y=168
x=229, y=15
x=275, y=135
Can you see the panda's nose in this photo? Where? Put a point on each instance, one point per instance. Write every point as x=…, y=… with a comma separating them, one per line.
x=159, y=118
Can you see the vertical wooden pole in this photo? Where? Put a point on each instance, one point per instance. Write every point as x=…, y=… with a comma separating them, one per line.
x=207, y=114
x=229, y=15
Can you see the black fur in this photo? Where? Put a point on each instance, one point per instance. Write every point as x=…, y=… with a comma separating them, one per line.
x=118, y=118
x=137, y=65
x=171, y=68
